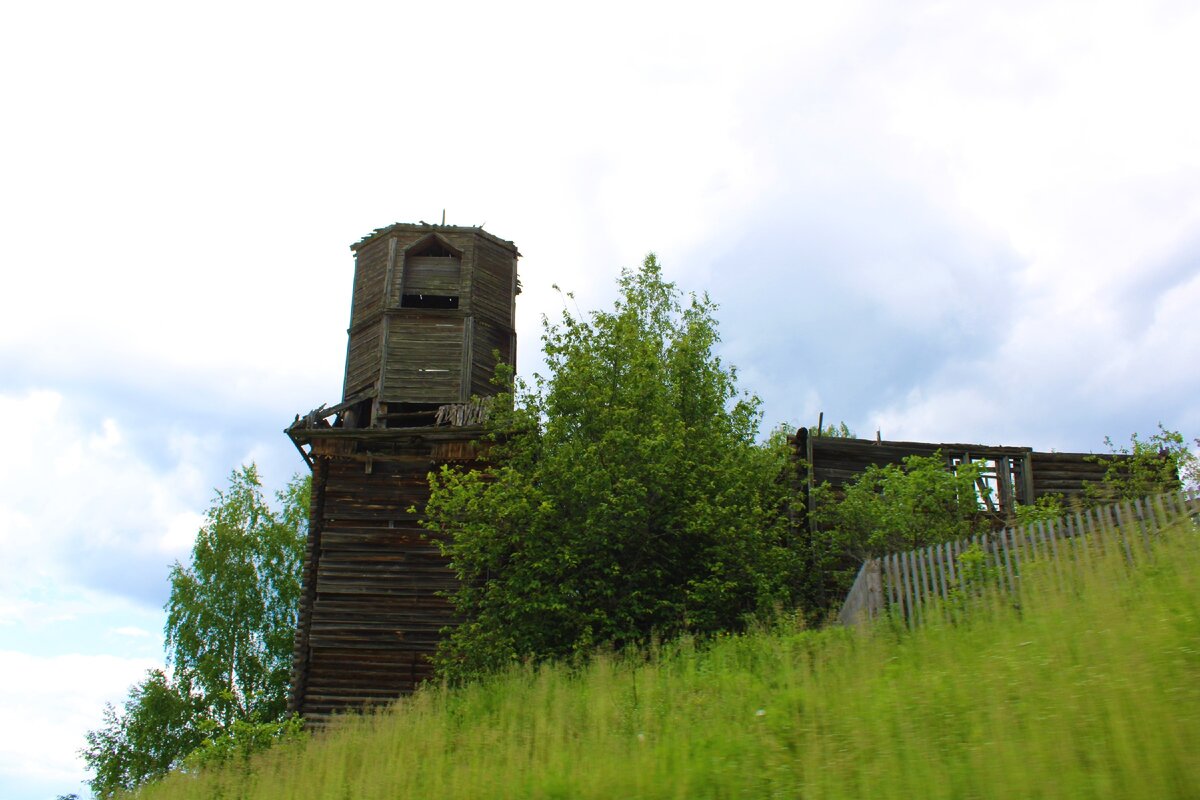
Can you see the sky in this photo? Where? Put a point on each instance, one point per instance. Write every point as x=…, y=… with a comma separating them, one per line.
x=940, y=221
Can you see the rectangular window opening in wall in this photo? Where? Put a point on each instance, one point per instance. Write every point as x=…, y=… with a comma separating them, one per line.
x=439, y=301
x=996, y=486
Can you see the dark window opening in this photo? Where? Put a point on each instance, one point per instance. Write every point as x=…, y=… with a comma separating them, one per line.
x=428, y=301
x=409, y=415
x=356, y=416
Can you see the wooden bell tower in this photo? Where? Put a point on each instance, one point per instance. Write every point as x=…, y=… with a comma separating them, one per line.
x=433, y=307
x=432, y=315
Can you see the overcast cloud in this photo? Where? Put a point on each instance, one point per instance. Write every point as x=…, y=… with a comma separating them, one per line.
x=942, y=221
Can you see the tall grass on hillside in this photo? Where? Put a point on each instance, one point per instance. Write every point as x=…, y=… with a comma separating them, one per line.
x=1091, y=688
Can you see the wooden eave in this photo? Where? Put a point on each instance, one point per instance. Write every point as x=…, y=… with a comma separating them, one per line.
x=410, y=227
x=377, y=435
x=436, y=236
x=856, y=445
x=888, y=446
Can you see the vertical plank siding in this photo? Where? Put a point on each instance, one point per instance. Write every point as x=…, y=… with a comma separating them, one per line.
x=907, y=581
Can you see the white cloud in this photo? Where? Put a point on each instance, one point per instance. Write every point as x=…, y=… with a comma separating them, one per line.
x=56, y=700
x=80, y=504
x=980, y=228
x=133, y=632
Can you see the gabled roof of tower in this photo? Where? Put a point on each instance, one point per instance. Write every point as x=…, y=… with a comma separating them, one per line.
x=423, y=227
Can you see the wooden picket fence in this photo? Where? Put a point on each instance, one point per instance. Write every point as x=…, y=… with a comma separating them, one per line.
x=905, y=583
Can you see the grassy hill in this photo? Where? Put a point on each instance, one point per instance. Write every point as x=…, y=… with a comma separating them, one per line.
x=1090, y=689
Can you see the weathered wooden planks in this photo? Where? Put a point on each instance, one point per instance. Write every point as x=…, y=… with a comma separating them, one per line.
x=403, y=350
x=1018, y=474
x=374, y=601
x=907, y=582
x=440, y=275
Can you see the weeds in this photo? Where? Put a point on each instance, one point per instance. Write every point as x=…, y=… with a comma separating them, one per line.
x=1092, y=690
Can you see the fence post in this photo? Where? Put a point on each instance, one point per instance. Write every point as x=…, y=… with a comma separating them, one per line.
x=914, y=590
x=1161, y=518
x=1141, y=510
x=1008, y=569
x=889, y=568
x=874, y=588
x=1123, y=529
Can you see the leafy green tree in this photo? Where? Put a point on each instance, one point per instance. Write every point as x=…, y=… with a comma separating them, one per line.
x=885, y=509
x=157, y=727
x=242, y=740
x=1047, y=508
x=231, y=618
x=1159, y=463
x=230, y=623
x=835, y=431
x=625, y=493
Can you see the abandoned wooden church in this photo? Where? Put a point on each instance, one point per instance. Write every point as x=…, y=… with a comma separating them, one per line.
x=432, y=314
x=433, y=307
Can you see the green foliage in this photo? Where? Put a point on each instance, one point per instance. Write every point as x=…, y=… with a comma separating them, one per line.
x=1161, y=463
x=885, y=509
x=973, y=570
x=974, y=577
x=838, y=431
x=625, y=496
x=230, y=623
x=231, y=616
x=241, y=740
x=157, y=728
x=1046, y=508
x=1089, y=691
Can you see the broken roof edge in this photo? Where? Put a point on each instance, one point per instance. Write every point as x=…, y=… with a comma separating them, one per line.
x=433, y=227
x=951, y=447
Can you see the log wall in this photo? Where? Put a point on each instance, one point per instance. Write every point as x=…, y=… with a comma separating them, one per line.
x=373, y=606
x=424, y=361
x=1022, y=475
x=398, y=351
x=374, y=602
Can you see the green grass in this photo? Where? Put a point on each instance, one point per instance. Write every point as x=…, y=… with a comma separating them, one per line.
x=1090, y=690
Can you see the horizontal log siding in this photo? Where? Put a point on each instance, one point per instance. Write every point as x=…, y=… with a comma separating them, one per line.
x=1065, y=473
x=370, y=271
x=362, y=357
x=488, y=338
x=374, y=583
x=492, y=284
x=418, y=346
x=840, y=460
x=430, y=275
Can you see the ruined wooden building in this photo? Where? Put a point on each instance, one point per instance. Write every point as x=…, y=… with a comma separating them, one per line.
x=1010, y=476
x=432, y=314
